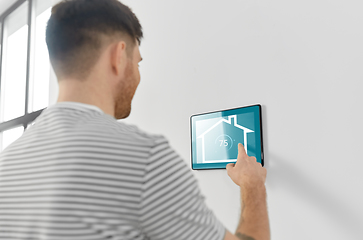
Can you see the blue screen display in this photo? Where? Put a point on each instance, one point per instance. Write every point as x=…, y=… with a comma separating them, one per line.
x=215, y=136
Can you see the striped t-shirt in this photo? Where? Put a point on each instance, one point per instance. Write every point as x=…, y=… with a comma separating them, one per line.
x=78, y=174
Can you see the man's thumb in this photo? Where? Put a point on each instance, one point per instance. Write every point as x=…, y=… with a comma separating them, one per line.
x=229, y=167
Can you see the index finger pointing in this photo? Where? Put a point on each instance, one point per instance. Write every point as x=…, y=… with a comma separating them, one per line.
x=241, y=150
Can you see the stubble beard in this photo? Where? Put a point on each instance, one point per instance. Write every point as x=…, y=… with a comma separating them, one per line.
x=126, y=93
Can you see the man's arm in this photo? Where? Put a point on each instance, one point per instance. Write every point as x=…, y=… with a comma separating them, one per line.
x=172, y=205
x=250, y=176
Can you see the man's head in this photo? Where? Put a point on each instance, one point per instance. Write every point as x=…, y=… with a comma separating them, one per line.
x=83, y=35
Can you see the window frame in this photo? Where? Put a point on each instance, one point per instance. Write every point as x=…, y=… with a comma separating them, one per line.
x=27, y=118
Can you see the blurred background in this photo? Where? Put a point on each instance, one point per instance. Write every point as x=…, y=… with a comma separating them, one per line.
x=301, y=60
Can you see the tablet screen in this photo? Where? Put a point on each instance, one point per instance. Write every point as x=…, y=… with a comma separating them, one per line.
x=215, y=136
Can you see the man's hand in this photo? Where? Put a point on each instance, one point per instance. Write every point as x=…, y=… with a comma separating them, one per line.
x=246, y=172
x=250, y=176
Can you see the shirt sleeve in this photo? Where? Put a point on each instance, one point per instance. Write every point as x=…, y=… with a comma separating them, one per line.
x=172, y=206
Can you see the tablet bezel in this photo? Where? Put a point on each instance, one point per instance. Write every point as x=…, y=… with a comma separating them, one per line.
x=200, y=114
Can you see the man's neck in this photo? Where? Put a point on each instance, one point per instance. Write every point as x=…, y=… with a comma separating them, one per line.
x=72, y=90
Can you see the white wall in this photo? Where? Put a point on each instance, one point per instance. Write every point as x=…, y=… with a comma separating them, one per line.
x=302, y=60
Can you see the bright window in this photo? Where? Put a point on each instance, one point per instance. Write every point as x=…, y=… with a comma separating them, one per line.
x=0, y=52
x=40, y=92
x=9, y=136
x=13, y=79
x=24, y=72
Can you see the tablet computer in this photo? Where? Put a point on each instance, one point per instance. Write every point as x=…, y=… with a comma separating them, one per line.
x=215, y=136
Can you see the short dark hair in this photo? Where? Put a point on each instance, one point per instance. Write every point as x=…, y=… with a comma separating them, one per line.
x=76, y=29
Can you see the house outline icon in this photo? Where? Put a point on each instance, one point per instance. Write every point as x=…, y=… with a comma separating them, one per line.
x=229, y=121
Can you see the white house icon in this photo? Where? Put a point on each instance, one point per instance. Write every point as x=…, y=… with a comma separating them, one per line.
x=229, y=121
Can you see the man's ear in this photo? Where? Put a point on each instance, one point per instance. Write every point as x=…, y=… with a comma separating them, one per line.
x=118, y=58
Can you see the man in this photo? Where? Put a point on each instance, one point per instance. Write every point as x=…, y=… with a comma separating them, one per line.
x=77, y=173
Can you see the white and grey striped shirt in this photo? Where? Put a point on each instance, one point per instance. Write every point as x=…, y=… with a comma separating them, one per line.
x=78, y=174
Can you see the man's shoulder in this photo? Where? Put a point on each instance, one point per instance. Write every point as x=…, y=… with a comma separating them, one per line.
x=95, y=125
x=132, y=131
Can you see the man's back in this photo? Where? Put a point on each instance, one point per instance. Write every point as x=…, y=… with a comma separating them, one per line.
x=77, y=173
